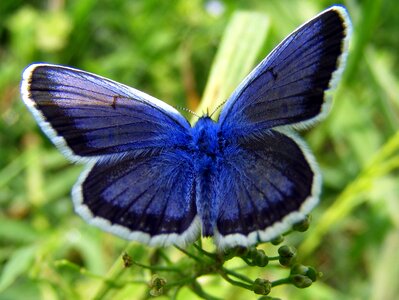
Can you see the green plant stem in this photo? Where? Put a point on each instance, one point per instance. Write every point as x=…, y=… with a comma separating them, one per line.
x=274, y=258
x=180, y=282
x=156, y=268
x=196, y=258
x=387, y=166
x=281, y=281
x=63, y=263
x=288, y=232
x=234, y=282
x=165, y=257
x=206, y=253
x=247, y=261
x=114, y=273
x=197, y=289
x=238, y=275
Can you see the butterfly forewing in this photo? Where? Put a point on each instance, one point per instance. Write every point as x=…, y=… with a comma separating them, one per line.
x=289, y=86
x=90, y=116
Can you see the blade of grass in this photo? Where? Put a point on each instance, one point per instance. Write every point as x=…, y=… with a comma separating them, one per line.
x=386, y=269
x=381, y=68
x=116, y=272
x=18, y=263
x=354, y=194
x=13, y=169
x=34, y=170
x=364, y=29
x=241, y=42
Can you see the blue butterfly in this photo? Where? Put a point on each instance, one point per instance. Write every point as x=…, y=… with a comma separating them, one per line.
x=153, y=178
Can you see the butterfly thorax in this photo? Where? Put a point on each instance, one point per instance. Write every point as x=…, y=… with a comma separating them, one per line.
x=207, y=154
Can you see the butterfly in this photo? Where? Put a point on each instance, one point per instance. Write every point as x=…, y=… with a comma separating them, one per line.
x=152, y=177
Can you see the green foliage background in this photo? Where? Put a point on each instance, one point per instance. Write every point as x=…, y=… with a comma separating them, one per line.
x=166, y=48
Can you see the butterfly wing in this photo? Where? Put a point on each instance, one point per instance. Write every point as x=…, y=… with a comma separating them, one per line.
x=138, y=183
x=265, y=186
x=150, y=199
x=291, y=85
x=269, y=180
x=88, y=116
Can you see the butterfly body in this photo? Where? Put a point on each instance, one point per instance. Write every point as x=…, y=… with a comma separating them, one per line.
x=207, y=153
x=153, y=178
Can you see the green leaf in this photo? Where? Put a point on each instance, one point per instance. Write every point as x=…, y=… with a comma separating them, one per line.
x=18, y=263
x=17, y=231
x=386, y=269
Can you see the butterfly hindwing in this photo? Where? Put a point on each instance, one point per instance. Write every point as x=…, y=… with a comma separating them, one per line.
x=265, y=186
x=290, y=86
x=150, y=198
x=88, y=116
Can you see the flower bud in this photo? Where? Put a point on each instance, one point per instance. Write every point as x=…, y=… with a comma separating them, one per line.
x=286, y=251
x=127, y=260
x=312, y=274
x=236, y=251
x=299, y=269
x=262, y=286
x=241, y=251
x=307, y=271
x=261, y=259
x=287, y=255
x=252, y=253
x=302, y=225
x=300, y=281
x=156, y=285
x=277, y=240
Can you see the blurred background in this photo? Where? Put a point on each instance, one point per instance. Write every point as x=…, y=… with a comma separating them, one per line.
x=167, y=48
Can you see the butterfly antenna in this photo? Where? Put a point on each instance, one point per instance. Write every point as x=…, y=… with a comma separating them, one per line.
x=187, y=110
x=217, y=108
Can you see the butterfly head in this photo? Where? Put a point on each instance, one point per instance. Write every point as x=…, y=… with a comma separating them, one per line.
x=205, y=137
